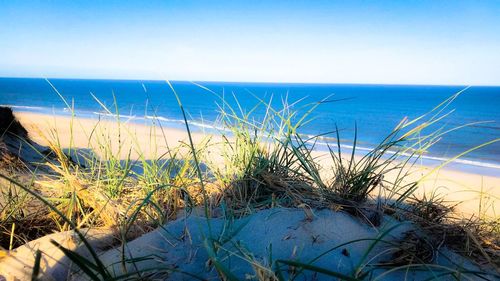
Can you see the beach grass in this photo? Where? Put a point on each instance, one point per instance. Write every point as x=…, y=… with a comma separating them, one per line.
x=260, y=164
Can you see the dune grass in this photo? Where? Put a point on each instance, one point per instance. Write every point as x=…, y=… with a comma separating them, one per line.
x=264, y=163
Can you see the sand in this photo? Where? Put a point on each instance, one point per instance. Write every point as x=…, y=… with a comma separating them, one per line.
x=178, y=250
x=472, y=193
x=18, y=264
x=266, y=236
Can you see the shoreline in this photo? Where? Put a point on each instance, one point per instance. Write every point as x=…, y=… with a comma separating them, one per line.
x=471, y=189
x=462, y=164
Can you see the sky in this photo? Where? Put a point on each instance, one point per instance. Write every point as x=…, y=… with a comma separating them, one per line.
x=382, y=42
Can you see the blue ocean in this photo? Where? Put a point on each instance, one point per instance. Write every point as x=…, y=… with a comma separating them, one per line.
x=373, y=109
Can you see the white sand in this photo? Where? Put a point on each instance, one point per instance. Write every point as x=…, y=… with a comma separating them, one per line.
x=18, y=264
x=256, y=241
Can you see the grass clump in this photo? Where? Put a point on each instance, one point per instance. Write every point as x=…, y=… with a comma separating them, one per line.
x=260, y=165
x=472, y=237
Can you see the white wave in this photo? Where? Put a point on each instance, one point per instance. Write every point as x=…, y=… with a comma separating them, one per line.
x=425, y=157
x=209, y=126
x=25, y=107
x=130, y=117
x=163, y=119
x=465, y=162
x=204, y=125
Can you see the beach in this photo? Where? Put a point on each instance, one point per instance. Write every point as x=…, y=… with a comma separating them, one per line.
x=235, y=140
x=473, y=194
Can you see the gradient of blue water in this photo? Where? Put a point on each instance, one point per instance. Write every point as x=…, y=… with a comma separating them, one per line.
x=376, y=109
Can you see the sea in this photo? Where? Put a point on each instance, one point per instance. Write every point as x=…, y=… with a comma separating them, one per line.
x=362, y=111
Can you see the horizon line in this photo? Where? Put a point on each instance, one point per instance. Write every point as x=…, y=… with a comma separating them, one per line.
x=255, y=82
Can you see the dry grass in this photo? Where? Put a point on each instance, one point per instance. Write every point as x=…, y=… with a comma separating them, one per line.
x=439, y=226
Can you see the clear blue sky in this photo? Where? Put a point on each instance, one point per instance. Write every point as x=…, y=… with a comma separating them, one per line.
x=403, y=42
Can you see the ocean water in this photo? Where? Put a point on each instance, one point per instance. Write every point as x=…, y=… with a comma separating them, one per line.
x=374, y=109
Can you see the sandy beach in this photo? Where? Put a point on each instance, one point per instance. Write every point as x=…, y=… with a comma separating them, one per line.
x=473, y=193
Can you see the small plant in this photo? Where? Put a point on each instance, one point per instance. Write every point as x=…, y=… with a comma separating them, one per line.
x=261, y=166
